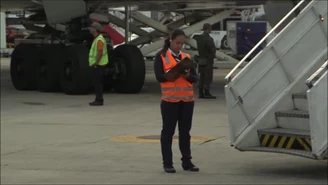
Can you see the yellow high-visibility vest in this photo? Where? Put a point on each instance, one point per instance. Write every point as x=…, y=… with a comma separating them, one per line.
x=93, y=52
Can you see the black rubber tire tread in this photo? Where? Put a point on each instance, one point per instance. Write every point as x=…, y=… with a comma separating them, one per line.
x=108, y=77
x=109, y=82
x=52, y=57
x=224, y=39
x=81, y=74
x=27, y=56
x=135, y=66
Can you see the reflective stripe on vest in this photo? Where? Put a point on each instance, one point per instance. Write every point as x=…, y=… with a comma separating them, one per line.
x=93, y=52
x=176, y=89
x=177, y=98
x=179, y=90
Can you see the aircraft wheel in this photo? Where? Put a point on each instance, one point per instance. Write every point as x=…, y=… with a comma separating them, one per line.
x=110, y=71
x=75, y=75
x=224, y=43
x=134, y=69
x=23, y=67
x=50, y=64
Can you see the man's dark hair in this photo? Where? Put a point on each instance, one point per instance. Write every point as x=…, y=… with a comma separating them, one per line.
x=207, y=26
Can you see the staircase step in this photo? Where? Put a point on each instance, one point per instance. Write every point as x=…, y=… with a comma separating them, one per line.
x=300, y=101
x=299, y=96
x=285, y=138
x=286, y=132
x=300, y=153
x=293, y=114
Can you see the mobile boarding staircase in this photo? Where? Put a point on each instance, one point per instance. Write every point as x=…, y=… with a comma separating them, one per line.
x=278, y=101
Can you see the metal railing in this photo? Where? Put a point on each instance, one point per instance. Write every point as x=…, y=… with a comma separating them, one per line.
x=248, y=14
x=121, y=16
x=228, y=78
x=315, y=76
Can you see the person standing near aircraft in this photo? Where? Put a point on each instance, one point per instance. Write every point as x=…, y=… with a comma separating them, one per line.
x=98, y=59
x=206, y=51
x=177, y=103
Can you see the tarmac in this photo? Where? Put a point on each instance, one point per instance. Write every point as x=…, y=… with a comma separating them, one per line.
x=50, y=138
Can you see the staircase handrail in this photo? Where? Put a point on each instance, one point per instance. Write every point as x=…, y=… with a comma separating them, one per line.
x=316, y=75
x=228, y=77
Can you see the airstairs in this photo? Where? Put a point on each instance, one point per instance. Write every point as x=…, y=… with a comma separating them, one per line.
x=114, y=26
x=278, y=102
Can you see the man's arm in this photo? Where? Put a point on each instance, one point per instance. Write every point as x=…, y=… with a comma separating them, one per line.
x=158, y=69
x=100, y=47
x=211, y=45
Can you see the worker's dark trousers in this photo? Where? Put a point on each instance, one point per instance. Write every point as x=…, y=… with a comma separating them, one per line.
x=98, y=78
x=181, y=112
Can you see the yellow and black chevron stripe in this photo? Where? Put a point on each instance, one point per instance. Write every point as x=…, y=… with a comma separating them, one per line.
x=287, y=142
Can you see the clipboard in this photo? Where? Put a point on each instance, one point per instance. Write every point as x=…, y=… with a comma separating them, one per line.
x=181, y=68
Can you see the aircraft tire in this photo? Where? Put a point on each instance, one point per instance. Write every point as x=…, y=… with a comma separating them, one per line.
x=224, y=43
x=23, y=67
x=108, y=77
x=50, y=65
x=135, y=69
x=75, y=75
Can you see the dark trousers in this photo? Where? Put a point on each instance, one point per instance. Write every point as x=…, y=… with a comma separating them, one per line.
x=181, y=112
x=98, y=81
x=206, y=75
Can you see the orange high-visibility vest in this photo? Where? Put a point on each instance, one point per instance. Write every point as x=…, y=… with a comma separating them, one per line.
x=179, y=90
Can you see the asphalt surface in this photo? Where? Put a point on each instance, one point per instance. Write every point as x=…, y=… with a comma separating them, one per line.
x=55, y=138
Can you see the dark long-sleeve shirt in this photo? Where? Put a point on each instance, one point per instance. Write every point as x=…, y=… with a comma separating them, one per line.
x=159, y=70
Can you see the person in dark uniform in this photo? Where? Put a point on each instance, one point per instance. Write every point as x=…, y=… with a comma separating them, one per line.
x=98, y=59
x=206, y=51
x=177, y=103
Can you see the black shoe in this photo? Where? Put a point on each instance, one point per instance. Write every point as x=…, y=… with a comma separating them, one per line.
x=169, y=169
x=208, y=95
x=96, y=103
x=190, y=167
